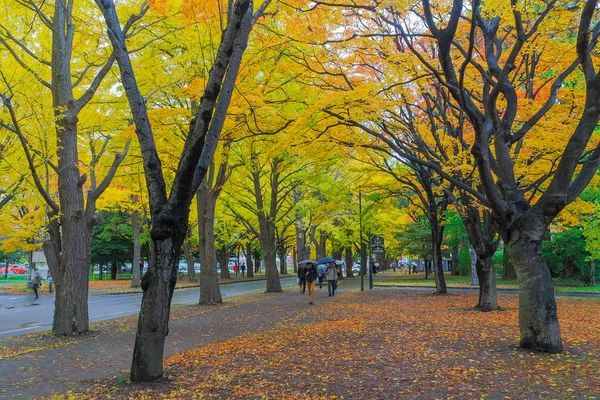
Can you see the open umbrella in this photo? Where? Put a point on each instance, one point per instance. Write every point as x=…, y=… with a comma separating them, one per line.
x=325, y=260
x=307, y=262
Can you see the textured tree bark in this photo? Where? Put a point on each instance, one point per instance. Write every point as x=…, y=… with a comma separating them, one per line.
x=135, y=266
x=153, y=324
x=488, y=298
x=282, y=262
x=538, y=319
x=436, y=245
x=302, y=249
x=474, y=276
x=249, y=263
x=321, y=244
x=210, y=292
x=349, y=262
x=189, y=258
x=454, y=260
x=223, y=258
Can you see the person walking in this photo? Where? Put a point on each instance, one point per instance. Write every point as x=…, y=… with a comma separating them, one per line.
x=311, y=280
x=36, y=280
x=243, y=269
x=331, y=273
x=321, y=275
x=236, y=269
x=302, y=277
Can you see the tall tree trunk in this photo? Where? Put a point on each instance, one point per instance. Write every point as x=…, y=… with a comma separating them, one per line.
x=592, y=273
x=282, y=263
x=189, y=258
x=454, y=260
x=113, y=271
x=321, y=245
x=302, y=249
x=436, y=245
x=135, y=270
x=257, y=260
x=223, y=258
x=210, y=292
x=474, y=276
x=249, y=263
x=267, y=228
x=488, y=299
x=158, y=284
x=538, y=319
x=348, y=260
x=273, y=282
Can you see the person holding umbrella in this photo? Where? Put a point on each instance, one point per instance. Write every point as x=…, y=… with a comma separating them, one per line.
x=311, y=280
x=331, y=273
x=302, y=273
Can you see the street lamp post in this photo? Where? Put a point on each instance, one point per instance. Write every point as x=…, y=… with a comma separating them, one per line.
x=362, y=244
x=371, y=264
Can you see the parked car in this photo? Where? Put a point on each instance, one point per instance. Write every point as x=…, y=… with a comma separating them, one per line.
x=13, y=269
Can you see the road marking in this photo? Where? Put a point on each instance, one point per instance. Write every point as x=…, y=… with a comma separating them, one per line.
x=22, y=329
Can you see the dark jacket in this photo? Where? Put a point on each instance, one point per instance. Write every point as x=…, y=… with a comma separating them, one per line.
x=301, y=273
x=311, y=272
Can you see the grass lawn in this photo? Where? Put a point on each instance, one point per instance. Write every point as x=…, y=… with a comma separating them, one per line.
x=401, y=279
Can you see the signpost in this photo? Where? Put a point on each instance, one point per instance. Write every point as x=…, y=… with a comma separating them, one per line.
x=376, y=247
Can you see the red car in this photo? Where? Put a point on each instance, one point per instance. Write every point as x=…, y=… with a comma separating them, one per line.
x=13, y=270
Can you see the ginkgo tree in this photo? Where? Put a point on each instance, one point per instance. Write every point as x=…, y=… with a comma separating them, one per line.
x=52, y=67
x=480, y=72
x=170, y=212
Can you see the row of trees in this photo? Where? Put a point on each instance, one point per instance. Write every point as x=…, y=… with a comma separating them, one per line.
x=431, y=110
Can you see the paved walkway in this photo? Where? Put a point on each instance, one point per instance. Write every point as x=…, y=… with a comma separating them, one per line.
x=80, y=365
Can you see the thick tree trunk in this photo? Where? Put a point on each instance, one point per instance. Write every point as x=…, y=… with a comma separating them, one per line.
x=153, y=324
x=488, y=299
x=135, y=270
x=538, y=320
x=210, y=292
x=349, y=262
x=68, y=257
x=273, y=282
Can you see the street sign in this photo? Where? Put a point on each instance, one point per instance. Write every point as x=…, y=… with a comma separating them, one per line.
x=377, y=241
x=377, y=250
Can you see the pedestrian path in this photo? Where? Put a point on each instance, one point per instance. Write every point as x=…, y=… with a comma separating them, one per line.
x=81, y=363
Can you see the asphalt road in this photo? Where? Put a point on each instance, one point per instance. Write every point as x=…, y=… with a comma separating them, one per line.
x=21, y=314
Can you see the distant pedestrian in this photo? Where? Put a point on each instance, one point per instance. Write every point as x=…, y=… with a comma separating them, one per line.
x=331, y=273
x=243, y=269
x=36, y=280
x=311, y=280
x=321, y=275
x=236, y=269
x=302, y=277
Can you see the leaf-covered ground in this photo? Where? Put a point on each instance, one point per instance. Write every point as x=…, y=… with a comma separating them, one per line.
x=385, y=343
